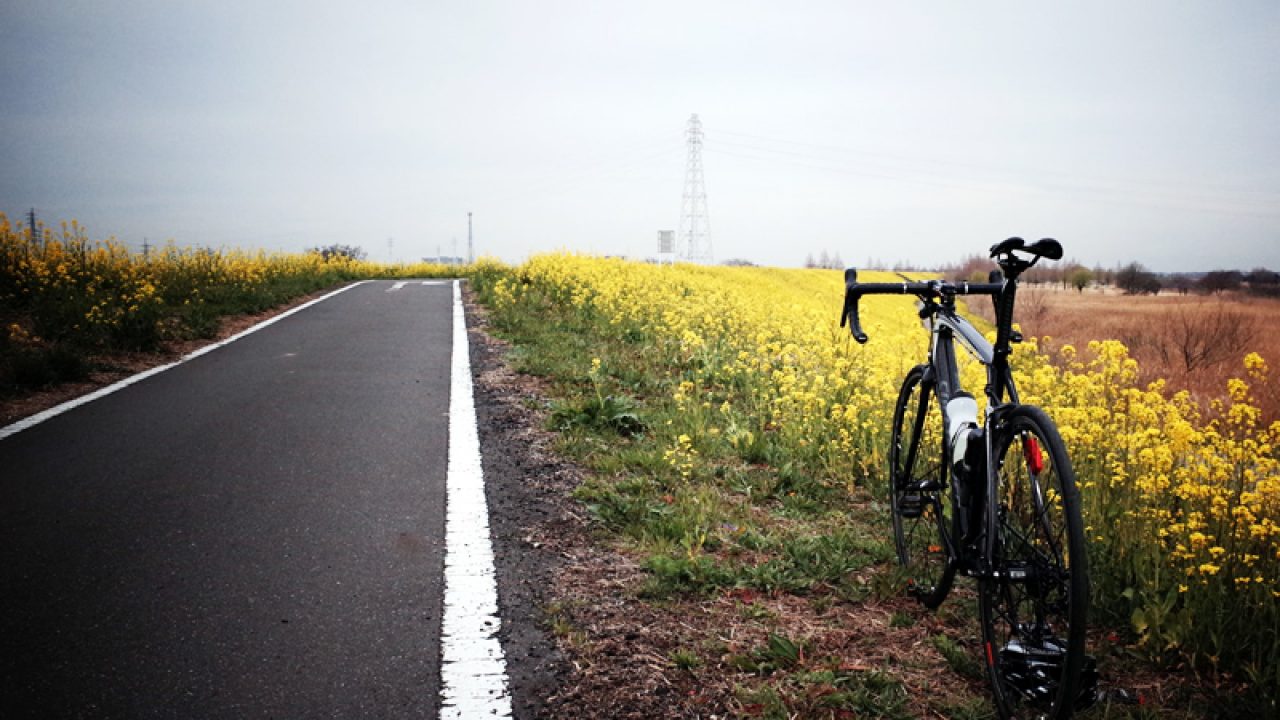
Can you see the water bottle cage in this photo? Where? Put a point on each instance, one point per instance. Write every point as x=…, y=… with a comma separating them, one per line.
x=969, y=471
x=971, y=465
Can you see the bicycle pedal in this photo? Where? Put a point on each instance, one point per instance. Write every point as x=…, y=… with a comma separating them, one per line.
x=911, y=505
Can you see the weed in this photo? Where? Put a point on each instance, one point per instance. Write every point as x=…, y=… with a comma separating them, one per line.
x=763, y=702
x=685, y=659
x=558, y=617
x=822, y=602
x=778, y=653
x=677, y=575
x=962, y=661
x=901, y=619
x=609, y=413
x=757, y=612
x=967, y=709
x=827, y=693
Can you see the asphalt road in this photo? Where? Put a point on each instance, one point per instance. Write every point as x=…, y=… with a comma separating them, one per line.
x=255, y=533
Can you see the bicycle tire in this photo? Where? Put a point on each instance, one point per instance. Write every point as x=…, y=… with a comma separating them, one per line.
x=922, y=541
x=1034, y=607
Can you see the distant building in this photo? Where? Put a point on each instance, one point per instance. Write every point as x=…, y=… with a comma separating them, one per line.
x=666, y=246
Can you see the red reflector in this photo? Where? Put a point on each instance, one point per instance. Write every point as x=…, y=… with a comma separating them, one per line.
x=991, y=659
x=1035, y=460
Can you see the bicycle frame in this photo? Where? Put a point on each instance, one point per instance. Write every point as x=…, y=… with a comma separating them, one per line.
x=947, y=328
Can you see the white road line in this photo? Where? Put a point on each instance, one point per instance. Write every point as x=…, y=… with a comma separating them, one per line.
x=401, y=284
x=57, y=410
x=473, y=672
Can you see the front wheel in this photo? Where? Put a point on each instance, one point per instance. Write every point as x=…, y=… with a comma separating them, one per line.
x=1034, y=605
x=922, y=522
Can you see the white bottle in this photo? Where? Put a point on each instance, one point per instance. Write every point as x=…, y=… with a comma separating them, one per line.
x=962, y=414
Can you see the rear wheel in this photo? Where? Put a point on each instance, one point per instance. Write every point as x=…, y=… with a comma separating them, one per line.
x=1034, y=608
x=922, y=519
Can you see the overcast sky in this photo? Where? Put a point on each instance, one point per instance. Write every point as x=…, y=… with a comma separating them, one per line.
x=913, y=131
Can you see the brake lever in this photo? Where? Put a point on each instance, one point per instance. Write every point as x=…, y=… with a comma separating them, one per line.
x=849, y=313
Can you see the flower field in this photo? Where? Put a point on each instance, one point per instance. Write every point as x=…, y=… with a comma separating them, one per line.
x=65, y=298
x=737, y=436
x=1182, y=501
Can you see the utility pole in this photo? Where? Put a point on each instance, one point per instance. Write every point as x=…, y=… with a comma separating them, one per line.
x=695, y=223
x=146, y=249
x=471, y=247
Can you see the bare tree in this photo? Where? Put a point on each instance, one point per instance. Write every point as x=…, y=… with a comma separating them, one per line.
x=974, y=268
x=1263, y=282
x=1219, y=280
x=1134, y=279
x=1194, y=337
x=1033, y=304
x=1180, y=282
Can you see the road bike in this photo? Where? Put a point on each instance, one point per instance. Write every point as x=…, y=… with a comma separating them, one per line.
x=990, y=495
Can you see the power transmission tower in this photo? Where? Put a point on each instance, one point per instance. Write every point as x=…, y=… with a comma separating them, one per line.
x=695, y=223
x=471, y=248
x=31, y=226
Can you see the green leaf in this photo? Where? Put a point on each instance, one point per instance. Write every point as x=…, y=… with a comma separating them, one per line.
x=1139, y=621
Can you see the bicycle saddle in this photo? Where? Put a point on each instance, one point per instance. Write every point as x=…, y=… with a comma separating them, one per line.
x=1045, y=247
x=1013, y=243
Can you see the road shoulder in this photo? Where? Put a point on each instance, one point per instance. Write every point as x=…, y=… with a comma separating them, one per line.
x=532, y=521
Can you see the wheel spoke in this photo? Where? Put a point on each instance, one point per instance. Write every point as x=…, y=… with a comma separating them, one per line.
x=920, y=517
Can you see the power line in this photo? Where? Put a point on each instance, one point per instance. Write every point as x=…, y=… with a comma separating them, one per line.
x=1122, y=191
x=838, y=169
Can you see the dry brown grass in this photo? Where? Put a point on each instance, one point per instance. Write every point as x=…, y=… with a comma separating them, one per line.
x=1194, y=342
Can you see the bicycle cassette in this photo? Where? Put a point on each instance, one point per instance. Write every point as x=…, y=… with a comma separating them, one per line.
x=1033, y=672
